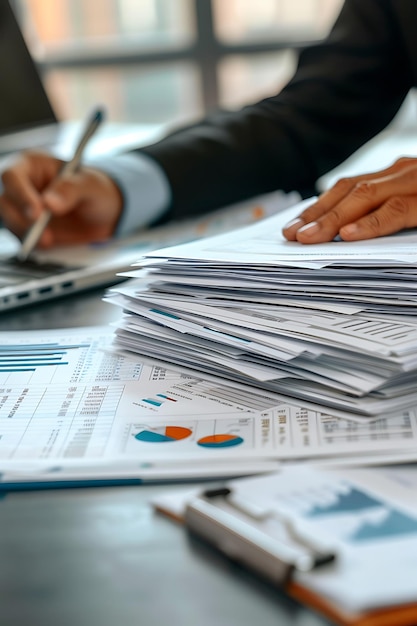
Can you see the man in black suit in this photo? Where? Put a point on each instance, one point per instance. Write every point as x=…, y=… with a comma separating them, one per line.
x=346, y=89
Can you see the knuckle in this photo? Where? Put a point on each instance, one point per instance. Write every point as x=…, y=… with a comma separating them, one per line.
x=307, y=216
x=403, y=161
x=374, y=223
x=310, y=213
x=62, y=186
x=343, y=185
x=32, y=155
x=406, y=167
x=393, y=215
x=332, y=220
x=364, y=190
x=335, y=219
x=9, y=177
x=397, y=208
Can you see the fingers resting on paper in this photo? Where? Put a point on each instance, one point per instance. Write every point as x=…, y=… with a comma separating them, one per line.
x=362, y=207
x=85, y=206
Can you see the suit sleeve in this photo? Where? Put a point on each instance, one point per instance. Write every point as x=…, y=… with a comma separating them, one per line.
x=344, y=92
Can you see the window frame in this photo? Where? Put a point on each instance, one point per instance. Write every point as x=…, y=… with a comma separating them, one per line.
x=206, y=53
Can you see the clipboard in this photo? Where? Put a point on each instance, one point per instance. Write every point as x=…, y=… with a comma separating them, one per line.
x=265, y=543
x=273, y=547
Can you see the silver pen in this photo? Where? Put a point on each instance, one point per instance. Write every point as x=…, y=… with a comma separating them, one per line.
x=33, y=235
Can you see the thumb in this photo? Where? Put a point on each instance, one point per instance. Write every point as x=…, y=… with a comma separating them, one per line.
x=62, y=196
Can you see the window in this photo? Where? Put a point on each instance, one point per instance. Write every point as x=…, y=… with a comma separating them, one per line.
x=167, y=61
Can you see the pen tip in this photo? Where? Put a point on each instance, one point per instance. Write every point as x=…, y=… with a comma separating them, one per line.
x=98, y=115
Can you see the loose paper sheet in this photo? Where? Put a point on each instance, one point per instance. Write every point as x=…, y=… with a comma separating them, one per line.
x=67, y=400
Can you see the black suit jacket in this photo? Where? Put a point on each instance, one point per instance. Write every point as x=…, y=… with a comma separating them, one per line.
x=344, y=92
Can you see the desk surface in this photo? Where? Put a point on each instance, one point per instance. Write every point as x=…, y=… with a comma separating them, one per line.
x=102, y=556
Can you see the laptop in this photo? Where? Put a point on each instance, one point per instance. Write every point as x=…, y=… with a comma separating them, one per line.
x=28, y=120
x=27, y=117
x=66, y=270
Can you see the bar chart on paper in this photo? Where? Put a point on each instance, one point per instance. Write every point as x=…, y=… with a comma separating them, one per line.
x=158, y=400
x=45, y=362
x=58, y=398
x=374, y=519
x=24, y=363
x=355, y=514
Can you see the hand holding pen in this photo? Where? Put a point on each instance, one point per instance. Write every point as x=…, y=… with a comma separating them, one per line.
x=35, y=232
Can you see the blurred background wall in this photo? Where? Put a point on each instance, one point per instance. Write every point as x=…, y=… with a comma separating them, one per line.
x=167, y=61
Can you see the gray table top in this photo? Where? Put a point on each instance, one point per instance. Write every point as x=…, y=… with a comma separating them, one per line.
x=102, y=556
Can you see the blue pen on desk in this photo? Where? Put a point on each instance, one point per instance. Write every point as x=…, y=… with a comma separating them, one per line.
x=69, y=168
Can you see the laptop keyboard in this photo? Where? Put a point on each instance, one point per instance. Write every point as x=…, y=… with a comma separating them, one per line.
x=13, y=271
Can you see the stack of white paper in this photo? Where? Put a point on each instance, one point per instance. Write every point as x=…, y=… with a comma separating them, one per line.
x=332, y=324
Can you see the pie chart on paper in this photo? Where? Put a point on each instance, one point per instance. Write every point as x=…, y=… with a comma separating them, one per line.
x=220, y=441
x=163, y=434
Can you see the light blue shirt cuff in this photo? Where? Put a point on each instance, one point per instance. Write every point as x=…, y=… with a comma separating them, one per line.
x=144, y=186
